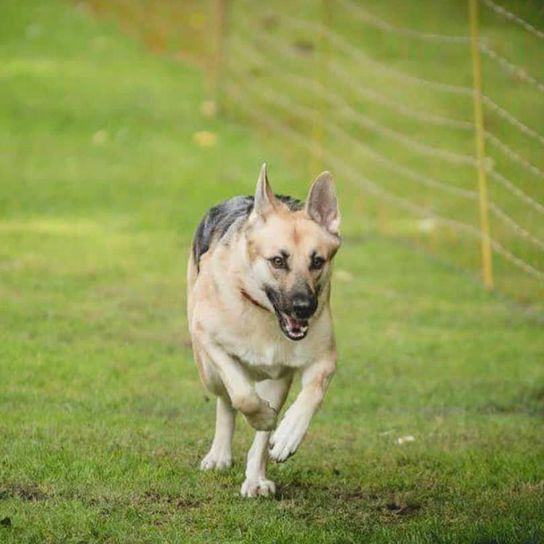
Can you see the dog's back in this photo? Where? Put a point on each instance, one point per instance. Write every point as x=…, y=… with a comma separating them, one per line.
x=213, y=227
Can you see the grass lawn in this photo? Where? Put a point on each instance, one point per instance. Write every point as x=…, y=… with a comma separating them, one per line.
x=102, y=417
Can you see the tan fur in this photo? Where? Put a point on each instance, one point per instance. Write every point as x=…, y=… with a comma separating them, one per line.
x=241, y=353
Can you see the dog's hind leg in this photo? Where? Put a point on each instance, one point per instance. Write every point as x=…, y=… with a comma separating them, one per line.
x=256, y=482
x=220, y=454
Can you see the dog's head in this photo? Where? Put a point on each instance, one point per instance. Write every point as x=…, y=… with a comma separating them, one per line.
x=290, y=251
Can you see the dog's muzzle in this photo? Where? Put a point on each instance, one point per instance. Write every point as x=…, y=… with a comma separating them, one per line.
x=293, y=317
x=293, y=328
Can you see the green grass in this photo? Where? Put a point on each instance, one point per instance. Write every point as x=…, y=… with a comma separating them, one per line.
x=102, y=417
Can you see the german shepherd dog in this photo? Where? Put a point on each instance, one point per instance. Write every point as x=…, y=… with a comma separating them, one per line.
x=258, y=306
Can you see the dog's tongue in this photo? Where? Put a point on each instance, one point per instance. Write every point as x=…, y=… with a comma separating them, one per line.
x=296, y=326
x=292, y=322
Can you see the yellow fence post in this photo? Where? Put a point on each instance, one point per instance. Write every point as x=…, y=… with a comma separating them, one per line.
x=487, y=263
x=217, y=54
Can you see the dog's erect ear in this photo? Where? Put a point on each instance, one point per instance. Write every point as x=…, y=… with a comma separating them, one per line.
x=265, y=201
x=322, y=205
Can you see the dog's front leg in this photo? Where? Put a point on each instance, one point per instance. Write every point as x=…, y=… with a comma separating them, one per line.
x=289, y=434
x=240, y=388
x=220, y=454
x=256, y=483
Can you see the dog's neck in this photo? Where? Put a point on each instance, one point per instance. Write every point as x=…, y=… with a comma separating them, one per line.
x=246, y=289
x=248, y=297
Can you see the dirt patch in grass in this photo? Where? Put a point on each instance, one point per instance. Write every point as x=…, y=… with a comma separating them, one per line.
x=529, y=402
x=24, y=491
x=351, y=505
x=177, y=502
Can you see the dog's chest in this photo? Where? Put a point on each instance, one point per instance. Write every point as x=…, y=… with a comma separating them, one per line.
x=266, y=355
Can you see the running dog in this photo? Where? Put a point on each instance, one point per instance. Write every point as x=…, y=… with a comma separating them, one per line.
x=259, y=281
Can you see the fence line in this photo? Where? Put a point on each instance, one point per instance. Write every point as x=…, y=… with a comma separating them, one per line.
x=513, y=155
x=370, y=95
x=515, y=190
x=366, y=121
x=453, y=223
x=512, y=119
x=499, y=10
x=374, y=188
x=428, y=118
x=510, y=67
x=518, y=229
x=398, y=108
x=359, y=13
x=308, y=114
x=360, y=57
x=327, y=91
x=419, y=147
x=403, y=170
x=423, y=149
x=296, y=89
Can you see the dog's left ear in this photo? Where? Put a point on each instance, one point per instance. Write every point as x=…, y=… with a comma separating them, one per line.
x=265, y=201
x=322, y=204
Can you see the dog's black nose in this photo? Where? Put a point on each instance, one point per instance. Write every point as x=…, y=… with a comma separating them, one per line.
x=304, y=306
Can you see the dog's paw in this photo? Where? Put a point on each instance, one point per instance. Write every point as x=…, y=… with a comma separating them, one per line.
x=216, y=460
x=285, y=441
x=263, y=419
x=258, y=487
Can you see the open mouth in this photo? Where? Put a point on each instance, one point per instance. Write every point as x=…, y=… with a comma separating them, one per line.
x=294, y=329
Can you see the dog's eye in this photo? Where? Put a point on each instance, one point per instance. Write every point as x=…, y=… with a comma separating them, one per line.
x=317, y=263
x=278, y=262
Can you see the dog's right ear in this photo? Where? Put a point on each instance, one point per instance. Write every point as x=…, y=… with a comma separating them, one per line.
x=322, y=204
x=265, y=201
